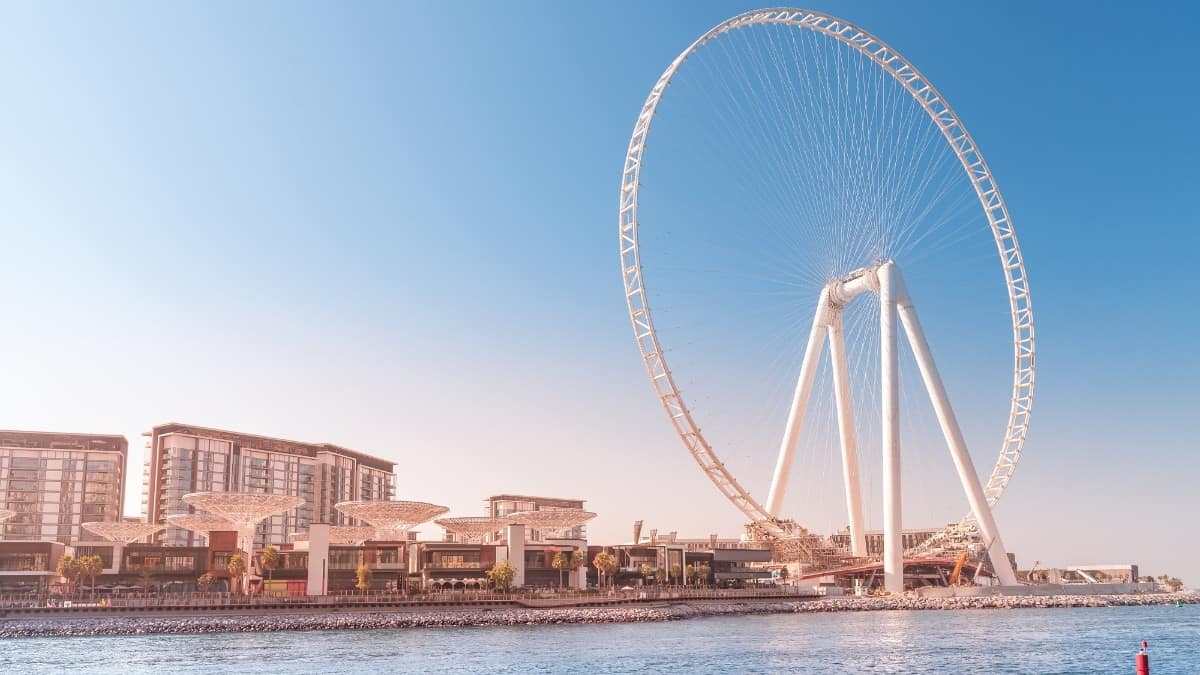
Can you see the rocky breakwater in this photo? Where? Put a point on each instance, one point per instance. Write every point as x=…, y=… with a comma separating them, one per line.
x=114, y=625
x=338, y=621
x=906, y=602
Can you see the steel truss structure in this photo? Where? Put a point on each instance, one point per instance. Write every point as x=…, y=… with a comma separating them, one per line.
x=474, y=528
x=396, y=516
x=342, y=534
x=766, y=519
x=551, y=520
x=123, y=531
x=201, y=523
x=243, y=509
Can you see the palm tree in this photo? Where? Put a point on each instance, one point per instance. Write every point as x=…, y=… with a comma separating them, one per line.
x=704, y=571
x=560, y=563
x=363, y=575
x=205, y=582
x=91, y=566
x=502, y=574
x=269, y=560
x=236, y=568
x=577, y=559
x=645, y=570
x=68, y=568
x=605, y=563
x=676, y=570
x=691, y=573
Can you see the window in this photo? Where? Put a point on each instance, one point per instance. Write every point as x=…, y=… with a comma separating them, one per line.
x=468, y=560
x=24, y=562
x=179, y=563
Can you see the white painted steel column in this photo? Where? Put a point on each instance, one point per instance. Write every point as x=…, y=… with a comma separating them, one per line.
x=893, y=546
x=318, y=559
x=515, y=538
x=246, y=544
x=954, y=438
x=845, y=410
x=795, y=422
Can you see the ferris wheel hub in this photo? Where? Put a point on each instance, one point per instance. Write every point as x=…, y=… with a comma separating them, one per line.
x=861, y=280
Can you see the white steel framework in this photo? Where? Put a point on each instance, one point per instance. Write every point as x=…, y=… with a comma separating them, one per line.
x=766, y=517
x=245, y=510
x=551, y=520
x=895, y=306
x=393, y=517
x=123, y=531
x=201, y=523
x=342, y=534
x=474, y=528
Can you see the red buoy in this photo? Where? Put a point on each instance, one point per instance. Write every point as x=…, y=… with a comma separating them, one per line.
x=1143, y=660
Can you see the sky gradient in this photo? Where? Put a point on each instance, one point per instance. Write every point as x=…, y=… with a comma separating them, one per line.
x=395, y=229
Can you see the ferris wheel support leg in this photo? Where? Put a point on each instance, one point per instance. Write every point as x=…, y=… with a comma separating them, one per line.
x=893, y=546
x=845, y=412
x=954, y=439
x=795, y=421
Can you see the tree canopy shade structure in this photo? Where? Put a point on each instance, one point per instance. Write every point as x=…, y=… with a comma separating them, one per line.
x=798, y=164
x=123, y=531
x=5, y=514
x=391, y=517
x=201, y=523
x=245, y=510
x=551, y=520
x=342, y=534
x=473, y=528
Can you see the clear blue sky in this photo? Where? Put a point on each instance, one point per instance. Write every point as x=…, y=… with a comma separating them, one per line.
x=395, y=229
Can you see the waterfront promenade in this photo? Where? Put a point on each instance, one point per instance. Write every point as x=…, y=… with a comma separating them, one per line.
x=509, y=612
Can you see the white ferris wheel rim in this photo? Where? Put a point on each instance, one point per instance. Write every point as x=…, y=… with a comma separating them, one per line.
x=973, y=164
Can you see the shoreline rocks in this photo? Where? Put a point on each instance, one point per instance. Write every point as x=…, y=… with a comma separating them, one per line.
x=174, y=625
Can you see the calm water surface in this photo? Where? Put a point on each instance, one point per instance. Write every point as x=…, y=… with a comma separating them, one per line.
x=1018, y=641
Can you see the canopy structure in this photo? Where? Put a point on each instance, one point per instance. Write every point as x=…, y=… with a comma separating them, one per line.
x=393, y=516
x=201, y=523
x=124, y=531
x=5, y=514
x=342, y=534
x=552, y=520
x=473, y=528
x=244, y=509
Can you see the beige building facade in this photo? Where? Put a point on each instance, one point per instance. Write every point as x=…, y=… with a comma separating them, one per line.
x=182, y=459
x=56, y=482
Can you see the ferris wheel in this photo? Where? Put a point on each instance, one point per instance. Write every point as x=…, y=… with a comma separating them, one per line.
x=806, y=185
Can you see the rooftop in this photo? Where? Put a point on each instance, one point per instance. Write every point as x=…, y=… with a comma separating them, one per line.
x=530, y=498
x=272, y=444
x=58, y=440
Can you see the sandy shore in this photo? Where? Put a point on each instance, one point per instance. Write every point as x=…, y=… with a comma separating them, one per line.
x=72, y=627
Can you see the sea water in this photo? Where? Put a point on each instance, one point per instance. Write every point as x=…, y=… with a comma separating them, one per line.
x=1083, y=640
